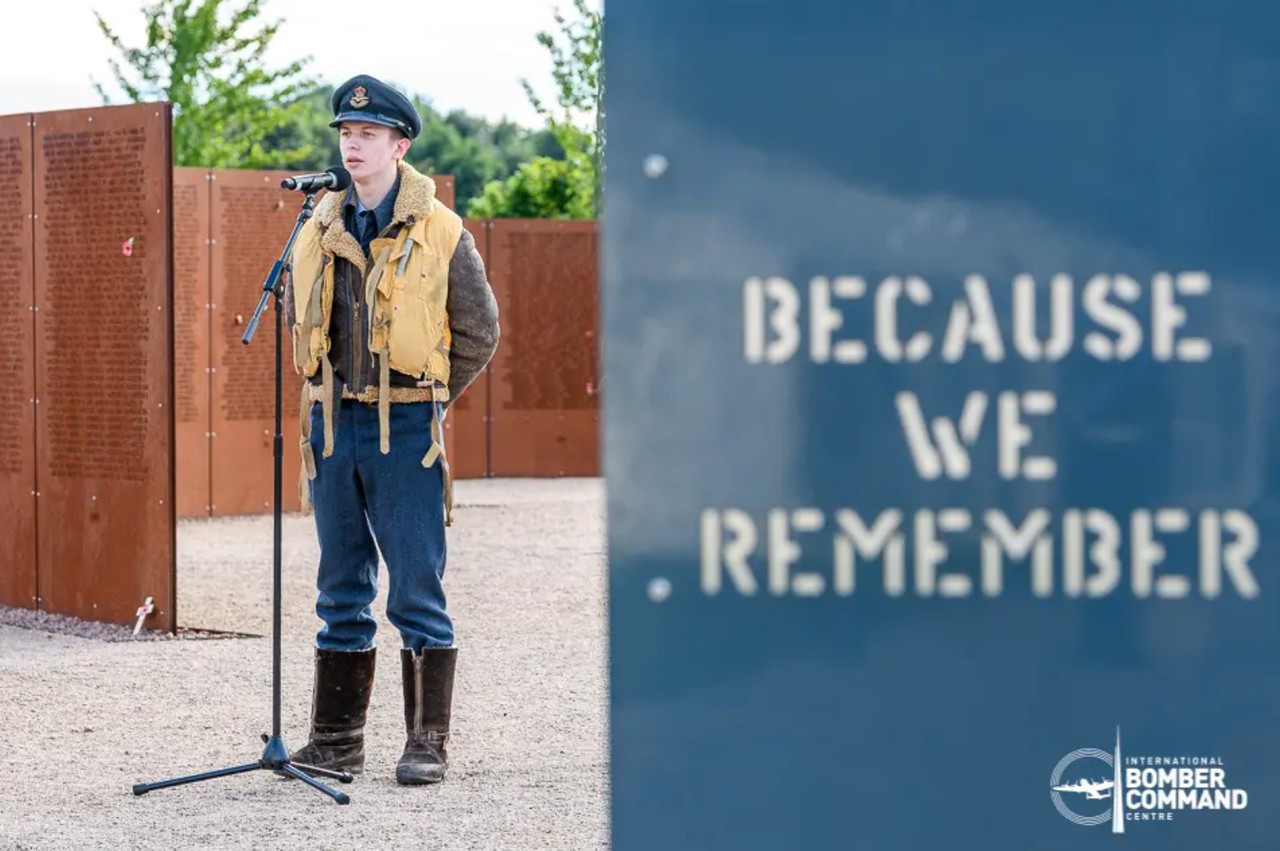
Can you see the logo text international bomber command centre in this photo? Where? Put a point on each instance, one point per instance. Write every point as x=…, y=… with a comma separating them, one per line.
x=1091, y=787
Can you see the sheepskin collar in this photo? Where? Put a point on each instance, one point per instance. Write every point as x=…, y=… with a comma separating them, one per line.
x=416, y=200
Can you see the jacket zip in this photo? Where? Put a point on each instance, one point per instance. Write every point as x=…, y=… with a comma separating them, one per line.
x=356, y=380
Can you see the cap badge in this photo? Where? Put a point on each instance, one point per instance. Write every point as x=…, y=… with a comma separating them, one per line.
x=359, y=97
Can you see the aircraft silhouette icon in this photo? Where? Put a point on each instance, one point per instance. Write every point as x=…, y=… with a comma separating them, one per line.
x=1094, y=790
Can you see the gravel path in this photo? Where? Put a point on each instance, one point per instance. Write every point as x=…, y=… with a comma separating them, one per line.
x=83, y=718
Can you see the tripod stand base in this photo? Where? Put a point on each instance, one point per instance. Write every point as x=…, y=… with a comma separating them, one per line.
x=275, y=758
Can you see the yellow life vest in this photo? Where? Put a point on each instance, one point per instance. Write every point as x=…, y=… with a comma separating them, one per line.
x=407, y=287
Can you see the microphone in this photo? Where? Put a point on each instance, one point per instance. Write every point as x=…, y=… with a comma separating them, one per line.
x=336, y=178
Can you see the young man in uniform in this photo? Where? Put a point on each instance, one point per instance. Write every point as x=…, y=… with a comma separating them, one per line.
x=392, y=317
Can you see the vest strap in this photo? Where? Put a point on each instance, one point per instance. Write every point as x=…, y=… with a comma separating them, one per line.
x=404, y=257
x=384, y=400
x=436, y=452
x=308, y=471
x=326, y=403
x=375, y=283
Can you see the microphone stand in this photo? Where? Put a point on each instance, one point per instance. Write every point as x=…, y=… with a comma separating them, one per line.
x=276, y=756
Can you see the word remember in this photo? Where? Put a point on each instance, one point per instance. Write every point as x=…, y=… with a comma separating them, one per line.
x=1077, y=554
x=955, y=552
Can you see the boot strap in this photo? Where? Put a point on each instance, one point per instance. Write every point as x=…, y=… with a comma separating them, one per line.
x=325, y=737
x=433, y=744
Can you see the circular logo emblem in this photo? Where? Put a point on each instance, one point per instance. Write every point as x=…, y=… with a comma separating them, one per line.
x=1095, y=786
x=359, y=97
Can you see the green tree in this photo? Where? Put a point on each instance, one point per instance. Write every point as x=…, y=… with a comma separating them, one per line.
x=207, y=60
x=307, y=143
x=576, y=122
x=542, y=188
x=577, y=68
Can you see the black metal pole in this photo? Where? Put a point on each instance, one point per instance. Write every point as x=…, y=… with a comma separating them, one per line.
x=277, y=533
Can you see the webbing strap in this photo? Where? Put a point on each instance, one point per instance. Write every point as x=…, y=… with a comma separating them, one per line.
x=384, y=367
x=384, y=401
x=326, y=405
x=404, y=257
x=437, y=452
x=308, y=470
x=374, y=282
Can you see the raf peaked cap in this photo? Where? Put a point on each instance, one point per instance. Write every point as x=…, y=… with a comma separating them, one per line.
x=365, y=98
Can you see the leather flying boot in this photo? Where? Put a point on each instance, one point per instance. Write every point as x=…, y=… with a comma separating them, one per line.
x=339, y=705
x=428, y=703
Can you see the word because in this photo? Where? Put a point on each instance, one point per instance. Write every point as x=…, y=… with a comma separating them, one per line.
x=774, y=328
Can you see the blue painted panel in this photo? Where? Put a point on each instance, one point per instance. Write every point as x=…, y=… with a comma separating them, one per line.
x=825, y=184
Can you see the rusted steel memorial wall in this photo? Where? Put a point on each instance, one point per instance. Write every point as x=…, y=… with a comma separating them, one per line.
x=86, y=419
x=543, y=393
x=18, y=582
x=191, y=320
x=250, y=219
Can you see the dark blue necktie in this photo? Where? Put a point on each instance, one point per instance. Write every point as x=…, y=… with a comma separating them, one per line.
x=368, y=230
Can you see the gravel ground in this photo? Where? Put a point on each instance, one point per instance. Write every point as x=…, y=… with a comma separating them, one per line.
x=85, y=713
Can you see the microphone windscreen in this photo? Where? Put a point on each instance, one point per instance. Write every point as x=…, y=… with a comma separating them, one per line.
x=342, y=176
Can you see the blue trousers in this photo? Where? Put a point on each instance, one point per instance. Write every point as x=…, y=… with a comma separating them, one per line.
x=365, y=503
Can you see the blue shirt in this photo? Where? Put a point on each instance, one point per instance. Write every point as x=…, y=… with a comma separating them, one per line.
x=365, y=224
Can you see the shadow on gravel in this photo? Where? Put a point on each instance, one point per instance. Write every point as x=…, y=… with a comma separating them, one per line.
x=64, y=625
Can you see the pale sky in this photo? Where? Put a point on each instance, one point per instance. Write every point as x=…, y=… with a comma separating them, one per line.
x=466, y=54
